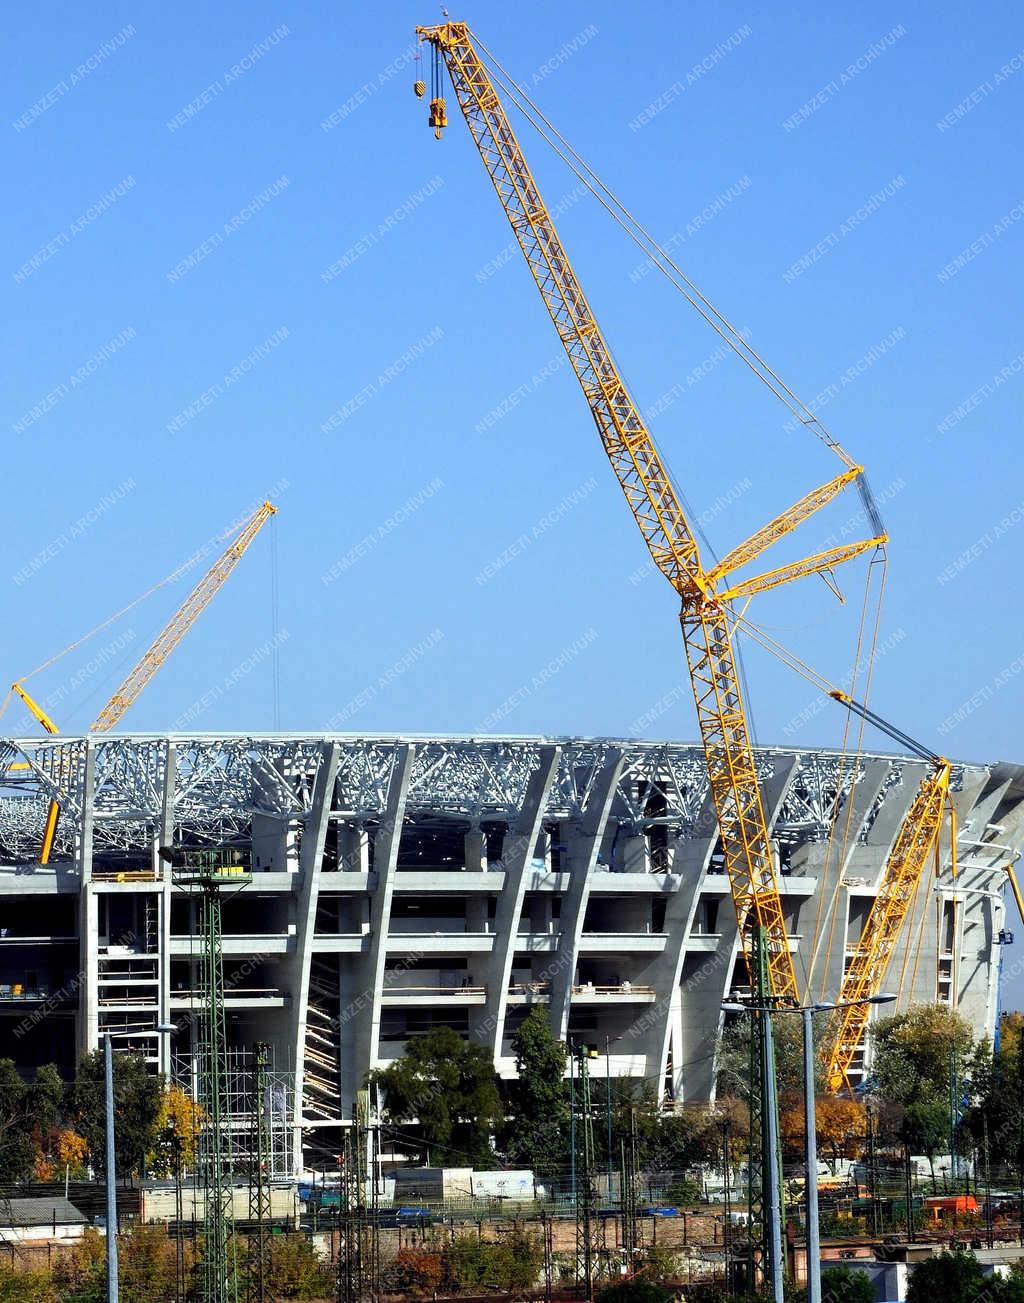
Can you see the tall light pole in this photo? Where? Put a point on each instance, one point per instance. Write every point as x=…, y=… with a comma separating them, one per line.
x=164, y=1029
x=807, y=1013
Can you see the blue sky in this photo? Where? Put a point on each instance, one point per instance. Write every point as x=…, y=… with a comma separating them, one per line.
x=238, y=261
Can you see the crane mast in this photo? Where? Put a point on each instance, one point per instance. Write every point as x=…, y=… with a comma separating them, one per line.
x=704, y=594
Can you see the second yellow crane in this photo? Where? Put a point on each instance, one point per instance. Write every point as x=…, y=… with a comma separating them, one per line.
x=157, y=652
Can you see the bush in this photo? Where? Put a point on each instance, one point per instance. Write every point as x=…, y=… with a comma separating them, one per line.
x=683, y=1193
x=417, y=1271
x=514, y=1262
x=636, y=1290
x=844, y=1284
x=661, y=1263
x=26, y=1286
x=296, y=1271
x=958, y=1278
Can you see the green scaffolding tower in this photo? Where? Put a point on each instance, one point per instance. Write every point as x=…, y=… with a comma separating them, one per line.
x=260, y=1231
x=588, y=1225
x=764, y=1257
x=208, y=874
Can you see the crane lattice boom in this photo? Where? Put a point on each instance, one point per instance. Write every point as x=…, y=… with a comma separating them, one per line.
x=165, y=642
x=653, y=501
x=181, y=621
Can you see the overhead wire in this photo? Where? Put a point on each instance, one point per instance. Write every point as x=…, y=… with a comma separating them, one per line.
x=162, y=583
x=275, y=624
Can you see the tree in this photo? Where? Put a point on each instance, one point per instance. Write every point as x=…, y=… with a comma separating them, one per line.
x=913, y=1053
x=539, y=1100
x=17, y=1150
x=450, y=1088
x=178, y=1121
x=958, y=1278
x=997, y=1111
x=732, y=1059
x=840, y=1126
x=844, y=1284
x=136, y=1108
x=914, y=1057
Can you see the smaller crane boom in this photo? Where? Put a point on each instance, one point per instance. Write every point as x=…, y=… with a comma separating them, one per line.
x=158, y=651
x=180, y=622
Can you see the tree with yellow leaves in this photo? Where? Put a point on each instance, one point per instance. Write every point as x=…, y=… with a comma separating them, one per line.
x=840, y=1127
x=178, y=1123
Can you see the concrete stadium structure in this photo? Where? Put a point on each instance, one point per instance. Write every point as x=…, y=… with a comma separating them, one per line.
x=401, y=882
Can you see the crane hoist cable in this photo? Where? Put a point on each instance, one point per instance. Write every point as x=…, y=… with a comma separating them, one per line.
x=664, y=263
x=849, y=768
x=156, y=653
x=706, y=593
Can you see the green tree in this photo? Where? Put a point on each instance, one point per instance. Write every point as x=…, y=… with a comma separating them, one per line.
x=450, y=1088
x=47, y=1097
x=958, y=1278
x=914, y=1052
x=733, y=1056
x=137, y=1097
x=914, y=1057
x=996, y=1113
x=538, y=1102
x=844, y=1284
x=16, y=1145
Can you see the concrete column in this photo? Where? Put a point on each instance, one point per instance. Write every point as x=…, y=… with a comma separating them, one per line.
x=475, y=850
x=516, y=855
x=353, y=849
x=584, y=844
x=362, y=1008
x=690, y=995
x=165, y=837
x=311, y=855
x=88, y=918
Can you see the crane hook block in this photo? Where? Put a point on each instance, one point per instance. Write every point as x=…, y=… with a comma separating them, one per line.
x=438, y=116
x=420, y=87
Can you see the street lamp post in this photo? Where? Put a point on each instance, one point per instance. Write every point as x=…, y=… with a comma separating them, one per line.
x=164, y=1029
x=807, y=1013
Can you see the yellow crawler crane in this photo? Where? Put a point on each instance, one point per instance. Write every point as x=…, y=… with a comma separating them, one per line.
x=917, y=841
x=158, y=651
x=705, y=595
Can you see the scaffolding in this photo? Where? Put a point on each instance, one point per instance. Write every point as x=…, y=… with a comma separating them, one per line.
x=237, y=1113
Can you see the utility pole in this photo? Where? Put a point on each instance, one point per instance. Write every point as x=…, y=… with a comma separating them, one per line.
x=764, y=1185
x=587, y=1226
x=872, y=1169
x=1020, y=1127
x=218, y=1281
x=608, y=1109
x=730, y=1284
x=261, y=1237
x=630, y=1201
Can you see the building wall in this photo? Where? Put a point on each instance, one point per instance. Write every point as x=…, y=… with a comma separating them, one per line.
x=392, y=884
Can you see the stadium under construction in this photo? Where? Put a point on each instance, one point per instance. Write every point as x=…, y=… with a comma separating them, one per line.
x=385, y=885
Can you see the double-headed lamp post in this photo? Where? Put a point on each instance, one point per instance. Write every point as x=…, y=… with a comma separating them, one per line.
x=807, y=1012
x=163, y=1029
